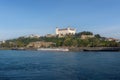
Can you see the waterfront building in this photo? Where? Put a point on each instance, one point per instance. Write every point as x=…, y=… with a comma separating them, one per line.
x=65, y=31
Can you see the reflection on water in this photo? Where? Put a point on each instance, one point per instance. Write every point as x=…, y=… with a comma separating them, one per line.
x=36, y=65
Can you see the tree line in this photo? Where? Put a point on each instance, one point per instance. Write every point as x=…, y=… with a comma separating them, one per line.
x=68, y=41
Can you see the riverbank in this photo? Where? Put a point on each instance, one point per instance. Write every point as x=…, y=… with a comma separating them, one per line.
x=95, y=49
x=74, y=49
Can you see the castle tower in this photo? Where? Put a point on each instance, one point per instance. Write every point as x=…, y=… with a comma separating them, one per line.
x=57, y=30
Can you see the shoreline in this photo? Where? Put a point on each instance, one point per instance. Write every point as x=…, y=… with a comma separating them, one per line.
x=95, y=49
x=70, y=49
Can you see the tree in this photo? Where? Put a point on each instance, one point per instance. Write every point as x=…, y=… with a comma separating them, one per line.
x=67, y=42
x=74, y=43
x=86, y=33
x=83, y=33
x=97, y=36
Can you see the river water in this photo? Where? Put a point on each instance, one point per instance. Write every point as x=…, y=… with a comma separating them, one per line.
x=38, y=65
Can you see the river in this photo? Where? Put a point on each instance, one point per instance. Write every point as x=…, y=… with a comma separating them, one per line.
x=43, y=65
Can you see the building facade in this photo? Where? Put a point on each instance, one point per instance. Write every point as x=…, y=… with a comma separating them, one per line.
x=32, y=36
x=111, y=39
x=86, y=36
x=65, y=31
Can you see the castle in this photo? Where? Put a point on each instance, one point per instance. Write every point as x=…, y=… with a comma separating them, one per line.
x=65, y=31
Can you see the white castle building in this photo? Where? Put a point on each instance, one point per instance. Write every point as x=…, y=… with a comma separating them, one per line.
x=65, y=31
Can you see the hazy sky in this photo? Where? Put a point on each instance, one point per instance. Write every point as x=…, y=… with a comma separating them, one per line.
x=23, y=17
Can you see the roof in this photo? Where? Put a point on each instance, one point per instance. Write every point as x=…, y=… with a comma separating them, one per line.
x=65, y=29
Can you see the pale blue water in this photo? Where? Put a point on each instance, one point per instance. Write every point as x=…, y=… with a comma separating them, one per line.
x=37, y=65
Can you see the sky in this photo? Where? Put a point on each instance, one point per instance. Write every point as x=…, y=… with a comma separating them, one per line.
x=24, y=17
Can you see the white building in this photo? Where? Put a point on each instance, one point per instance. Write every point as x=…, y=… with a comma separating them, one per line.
x=2, y=42
x=65, y=31
x=32, y=36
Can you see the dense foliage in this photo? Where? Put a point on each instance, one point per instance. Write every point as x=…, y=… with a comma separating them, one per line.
x=83, y=33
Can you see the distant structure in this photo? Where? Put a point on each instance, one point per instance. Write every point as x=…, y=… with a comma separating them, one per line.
x=32, y=36
x=1, y=42
x=50, y=35
x=111, y=39
x=65, y=31
x=86, y=36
